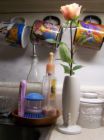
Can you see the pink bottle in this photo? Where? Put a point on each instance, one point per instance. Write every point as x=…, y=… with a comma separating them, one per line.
x=21, y=99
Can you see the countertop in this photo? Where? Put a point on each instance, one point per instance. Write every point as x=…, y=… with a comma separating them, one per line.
x=87, y=134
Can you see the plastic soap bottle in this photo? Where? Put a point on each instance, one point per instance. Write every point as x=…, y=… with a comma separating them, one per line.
x=49, y=87
x=21, y=98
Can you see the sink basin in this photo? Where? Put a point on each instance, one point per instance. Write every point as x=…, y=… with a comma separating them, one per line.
x=9, y=130
x=17, y=133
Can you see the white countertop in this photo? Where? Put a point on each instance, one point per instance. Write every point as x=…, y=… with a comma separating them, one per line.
x=87, y=134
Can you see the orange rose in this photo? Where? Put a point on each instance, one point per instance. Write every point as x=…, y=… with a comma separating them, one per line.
x=70, y=11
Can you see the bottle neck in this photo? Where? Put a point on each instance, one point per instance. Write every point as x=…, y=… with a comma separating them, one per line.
x=50, y=68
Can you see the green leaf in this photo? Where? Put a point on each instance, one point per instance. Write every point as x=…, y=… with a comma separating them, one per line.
x=64, y=54
x=75, y=22
x=51, y=41
x=63, y=44
x=77, y=67
x=76, y=17
x=66, y=68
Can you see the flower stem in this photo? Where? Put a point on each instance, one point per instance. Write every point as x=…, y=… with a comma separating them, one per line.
x=71, y=49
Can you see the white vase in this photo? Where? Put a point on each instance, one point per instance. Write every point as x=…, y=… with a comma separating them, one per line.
x=70, y=105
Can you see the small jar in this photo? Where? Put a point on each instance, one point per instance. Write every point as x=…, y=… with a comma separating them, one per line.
x=34, y=103
x=90, y=114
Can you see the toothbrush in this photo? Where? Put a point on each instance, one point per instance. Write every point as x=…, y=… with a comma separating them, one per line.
x=22, y=91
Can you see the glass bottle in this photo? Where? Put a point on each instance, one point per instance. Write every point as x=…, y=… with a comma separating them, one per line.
x=33, y=75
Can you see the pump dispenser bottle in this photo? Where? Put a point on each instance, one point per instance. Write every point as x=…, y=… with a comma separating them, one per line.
x=49, y=86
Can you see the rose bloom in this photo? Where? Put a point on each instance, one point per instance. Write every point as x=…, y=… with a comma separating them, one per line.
x=70, y=11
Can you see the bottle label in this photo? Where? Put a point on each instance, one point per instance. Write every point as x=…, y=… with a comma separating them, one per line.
x=53, y=89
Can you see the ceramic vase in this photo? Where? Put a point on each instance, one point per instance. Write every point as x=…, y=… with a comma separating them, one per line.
x=70, y=105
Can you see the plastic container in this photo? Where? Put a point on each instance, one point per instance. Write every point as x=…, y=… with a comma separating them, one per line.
x=91, y=109
x=34, y=103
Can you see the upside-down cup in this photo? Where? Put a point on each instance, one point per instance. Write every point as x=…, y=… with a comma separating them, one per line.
x=44, y=31
x=18, y=35
x=89, y=35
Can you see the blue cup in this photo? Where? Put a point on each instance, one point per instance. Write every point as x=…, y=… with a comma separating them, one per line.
x=18, y=35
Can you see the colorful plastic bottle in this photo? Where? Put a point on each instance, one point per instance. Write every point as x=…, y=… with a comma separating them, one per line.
x=49, y=86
